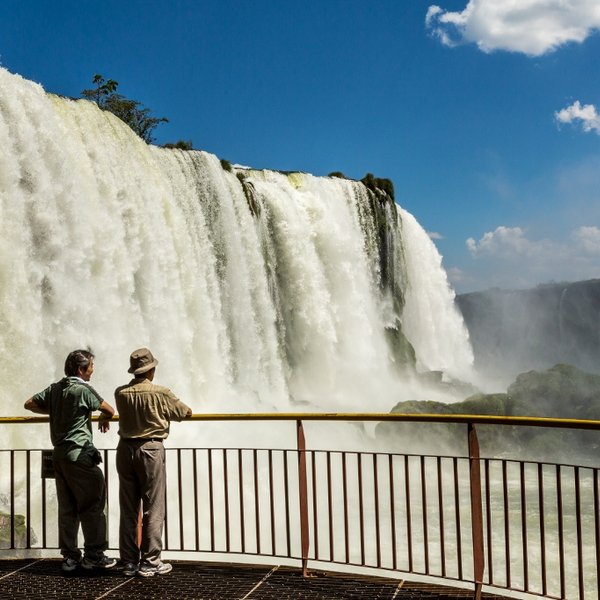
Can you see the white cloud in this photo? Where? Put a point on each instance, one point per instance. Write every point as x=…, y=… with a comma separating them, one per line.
x=588, y=239
x=507, y=258
x=505, y=242
x=457, y=276
x=533, y=27
x=587, y=114
x=434, y=235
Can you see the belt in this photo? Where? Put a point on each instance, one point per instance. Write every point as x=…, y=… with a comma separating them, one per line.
x=141, y=439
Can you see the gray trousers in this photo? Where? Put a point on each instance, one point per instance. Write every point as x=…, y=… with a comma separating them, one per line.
x=81, y=494
x=142, y=481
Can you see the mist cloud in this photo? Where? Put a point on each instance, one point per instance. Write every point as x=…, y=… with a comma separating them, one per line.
x=587, y=115
x=533, y=27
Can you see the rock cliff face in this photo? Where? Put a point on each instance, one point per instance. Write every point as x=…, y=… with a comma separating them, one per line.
x=519, y=330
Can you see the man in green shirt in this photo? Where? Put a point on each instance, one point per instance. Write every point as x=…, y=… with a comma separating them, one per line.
x=80, y=484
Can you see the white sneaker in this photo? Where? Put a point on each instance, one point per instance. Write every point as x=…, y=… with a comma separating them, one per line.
x=150, y=571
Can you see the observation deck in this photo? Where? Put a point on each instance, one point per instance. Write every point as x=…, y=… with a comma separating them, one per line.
x=43, y=580
x=304, y=523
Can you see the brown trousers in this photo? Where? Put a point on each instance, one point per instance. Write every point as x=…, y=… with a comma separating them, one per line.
x=142, y=481
x=81, y=494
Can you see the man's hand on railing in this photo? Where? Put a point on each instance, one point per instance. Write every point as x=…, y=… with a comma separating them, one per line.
x=103, y=423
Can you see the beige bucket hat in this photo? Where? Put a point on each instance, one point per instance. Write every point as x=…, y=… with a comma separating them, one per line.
x=140, y=361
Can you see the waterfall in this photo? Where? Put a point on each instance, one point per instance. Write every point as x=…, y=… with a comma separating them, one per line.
x=255, y=289
x=430, y=319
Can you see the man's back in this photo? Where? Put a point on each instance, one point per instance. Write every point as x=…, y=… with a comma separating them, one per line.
x=69, y=403
x=145, y=409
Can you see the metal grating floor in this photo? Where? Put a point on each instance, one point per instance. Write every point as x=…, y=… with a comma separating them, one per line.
x=43, y=580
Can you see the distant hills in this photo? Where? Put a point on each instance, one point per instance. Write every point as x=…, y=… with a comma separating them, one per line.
x=563, y=391
x=540, y=348
x=513, y=331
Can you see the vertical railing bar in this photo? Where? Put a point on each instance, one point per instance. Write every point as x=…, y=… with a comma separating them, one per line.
x=196, y=501
x=256, y=498
x=441, y=515
x=488, y=517
x=524, y=527
x=392, y=512
x=345, y=491
x=578, y=533
x=408, y=515
x=271, y=503
x=376, y=492
x=597, y=529
x=542, y=529
x=506, y=521
x=287, y=503
x=211, y=500
x=561, y=539
x=44, y=527
x=28, y=501
x=226, y=500
x=330, y=507
x=457, y=515
x=424, y=515
x=303, y=495
x=166, y=528
x=180, y=498
x=361, y=508
x=313, y=465
x=241, y=489
x=476, y=510
x=106, y=484
x=12, y=499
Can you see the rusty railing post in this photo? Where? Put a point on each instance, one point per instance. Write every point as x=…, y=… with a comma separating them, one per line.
x=303, y=491
x=476, y=510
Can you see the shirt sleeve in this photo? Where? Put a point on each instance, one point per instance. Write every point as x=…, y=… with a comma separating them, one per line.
x=177, y=409
x=42, y=399
x=91, y=398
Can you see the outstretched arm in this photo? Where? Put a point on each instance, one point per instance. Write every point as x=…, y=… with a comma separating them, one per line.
x=107, y=414
x=34, y=407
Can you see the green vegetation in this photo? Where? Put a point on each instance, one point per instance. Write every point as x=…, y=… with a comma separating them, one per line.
x=560, y=392
x=337, y=174
x=129, y=111
x=226, y=165
x=20, y=530
x=180, y=145
x=375, y=183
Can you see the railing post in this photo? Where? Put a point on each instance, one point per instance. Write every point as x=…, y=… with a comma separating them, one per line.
x=303, y=491
x=476, y=510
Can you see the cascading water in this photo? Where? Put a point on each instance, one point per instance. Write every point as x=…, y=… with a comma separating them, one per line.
x=255, y=289
x=430, y=319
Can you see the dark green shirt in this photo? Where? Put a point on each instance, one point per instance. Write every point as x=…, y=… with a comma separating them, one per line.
x=70, y=403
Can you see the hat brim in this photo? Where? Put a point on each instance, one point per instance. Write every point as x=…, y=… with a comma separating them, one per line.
x=143, y=369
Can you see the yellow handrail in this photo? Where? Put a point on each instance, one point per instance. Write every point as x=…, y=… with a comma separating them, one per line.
x=401, y=417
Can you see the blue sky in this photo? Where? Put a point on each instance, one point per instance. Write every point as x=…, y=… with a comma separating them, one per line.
x=484, y=114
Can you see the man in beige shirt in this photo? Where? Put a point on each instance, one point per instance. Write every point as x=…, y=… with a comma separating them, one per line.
x=145, y=412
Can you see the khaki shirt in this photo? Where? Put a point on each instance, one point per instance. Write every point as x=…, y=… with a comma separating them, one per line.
x=145, y=409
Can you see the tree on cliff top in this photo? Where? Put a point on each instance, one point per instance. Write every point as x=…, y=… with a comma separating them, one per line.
x=129, y=111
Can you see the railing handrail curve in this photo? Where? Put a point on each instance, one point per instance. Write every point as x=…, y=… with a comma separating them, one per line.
x=522, y=421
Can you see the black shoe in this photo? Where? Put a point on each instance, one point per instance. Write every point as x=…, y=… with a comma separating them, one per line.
x=104, y=562
x=69, y=564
